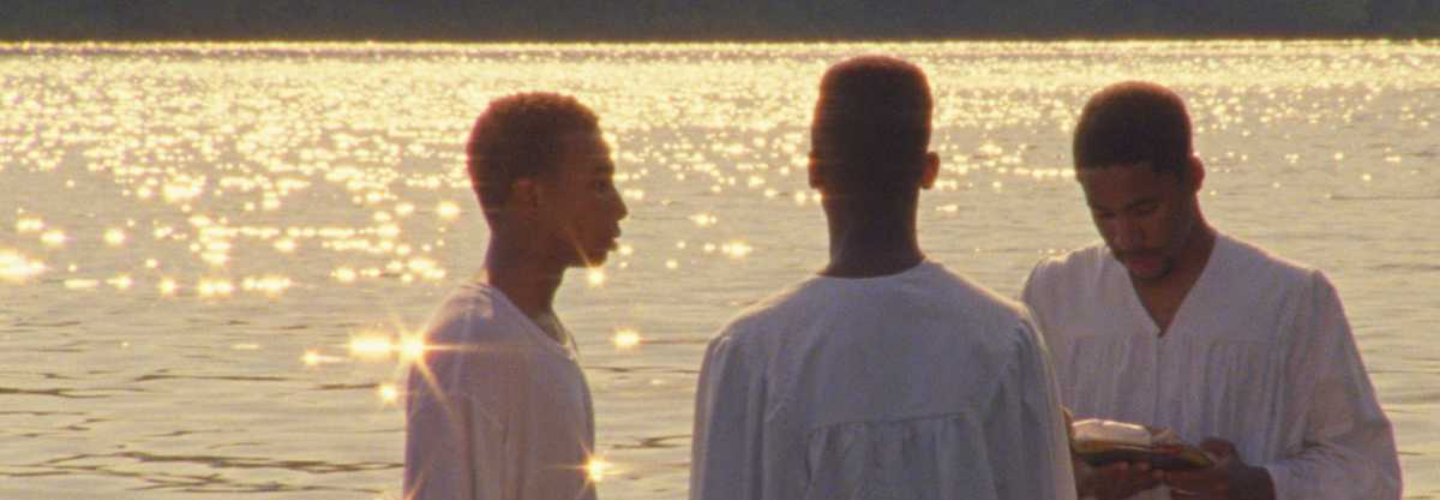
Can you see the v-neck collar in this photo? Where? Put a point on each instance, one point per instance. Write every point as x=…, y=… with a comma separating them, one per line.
x=567, y=350
x=1142, y=314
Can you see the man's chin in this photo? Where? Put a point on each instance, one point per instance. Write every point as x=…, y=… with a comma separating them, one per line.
x=593, y=258
x=1148, y=272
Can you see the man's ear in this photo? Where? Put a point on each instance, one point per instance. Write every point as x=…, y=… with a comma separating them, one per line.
x=930, y=170
x=1195, y=171
x=524, y=196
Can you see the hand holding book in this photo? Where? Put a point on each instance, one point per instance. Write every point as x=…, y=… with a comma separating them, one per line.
x=1099, y=442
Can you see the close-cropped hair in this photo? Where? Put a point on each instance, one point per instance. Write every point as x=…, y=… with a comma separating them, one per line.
x=1131, y=123
x=872, y=122
x=521, y=136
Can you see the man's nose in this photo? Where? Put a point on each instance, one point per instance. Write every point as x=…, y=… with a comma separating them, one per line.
x=622, y=211
x=1126, y=234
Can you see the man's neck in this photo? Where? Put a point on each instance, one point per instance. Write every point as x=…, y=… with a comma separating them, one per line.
x=1162, y=297
x=872, y=245
x=528, y=282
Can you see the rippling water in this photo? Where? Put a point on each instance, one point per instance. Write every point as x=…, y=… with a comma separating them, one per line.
x=199, y=242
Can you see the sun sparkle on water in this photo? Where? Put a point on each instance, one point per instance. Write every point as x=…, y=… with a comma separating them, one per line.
x=389, y=393
x=597, y=468
x=626, y=339
x=595, y=276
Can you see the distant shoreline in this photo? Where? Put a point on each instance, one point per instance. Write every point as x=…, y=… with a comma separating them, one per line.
x=713, y=41
x=737, y=21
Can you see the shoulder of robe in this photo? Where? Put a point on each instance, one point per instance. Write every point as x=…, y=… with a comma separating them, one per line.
x=1059, y=274
x=768, y=315
x=1257, y=264
x=997, y=310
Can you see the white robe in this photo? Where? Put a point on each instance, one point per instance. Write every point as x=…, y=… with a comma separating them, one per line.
x=913, y=386
x=1260, y=353
x=504, y=412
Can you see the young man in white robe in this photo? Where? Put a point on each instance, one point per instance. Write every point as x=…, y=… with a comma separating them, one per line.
x=499, y=409
x=1170, y=323
x=885, y=376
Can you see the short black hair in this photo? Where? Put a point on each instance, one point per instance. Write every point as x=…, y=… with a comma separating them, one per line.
x=1131, y=123
x=520, y=136
x=872, y=122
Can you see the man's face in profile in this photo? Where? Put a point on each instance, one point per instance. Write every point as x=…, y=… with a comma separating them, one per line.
x=583, y=209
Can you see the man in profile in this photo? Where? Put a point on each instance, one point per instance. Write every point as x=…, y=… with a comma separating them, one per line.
x=885, y=376
x=499, y=409
x=1172, y=324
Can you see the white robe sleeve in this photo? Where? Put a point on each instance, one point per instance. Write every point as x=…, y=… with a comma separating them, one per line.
x=1028, y=445
x=1348, y=446
x=729, y=412
x=454, y=448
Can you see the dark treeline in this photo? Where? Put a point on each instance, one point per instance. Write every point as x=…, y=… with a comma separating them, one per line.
x=707, y=19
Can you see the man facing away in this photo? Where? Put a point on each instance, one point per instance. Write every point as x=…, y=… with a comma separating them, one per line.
x=1169, y=323
x=499, y=409
x=885, y=376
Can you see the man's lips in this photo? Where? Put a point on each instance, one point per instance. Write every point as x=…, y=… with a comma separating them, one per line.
x=1140, y=262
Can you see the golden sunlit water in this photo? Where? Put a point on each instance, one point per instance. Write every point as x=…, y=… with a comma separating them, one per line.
x=215, y=258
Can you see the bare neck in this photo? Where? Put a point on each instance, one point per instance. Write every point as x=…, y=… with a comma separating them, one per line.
x=869, y=242
x=1163, y=296
x=529, y=282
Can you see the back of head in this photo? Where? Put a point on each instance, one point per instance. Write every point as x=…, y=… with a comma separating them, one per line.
x=521, y=136
x=871, y=128
x=1132, y=123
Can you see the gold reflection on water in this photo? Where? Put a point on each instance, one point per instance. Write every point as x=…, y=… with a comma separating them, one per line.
x=28, y=225
x=270, y=285
x=408, y=347
x=344, y=275
x=53, y=238
x=595, y=276
x=81, y=284
x=412, y=348
x=167, y=287
x=121, y=282
x=626, y=339
x=389, y=393
x=736, y=249
x=17, y=268
x=114, y=237
x=447, y=210
x=704, y=220
x=211, y=288
x=597, y=469
x=370, y=345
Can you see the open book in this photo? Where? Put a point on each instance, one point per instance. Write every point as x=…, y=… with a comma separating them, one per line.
x=1100, y=442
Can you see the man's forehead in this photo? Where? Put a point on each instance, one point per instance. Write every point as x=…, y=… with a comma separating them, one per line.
x=588, y=151
x=1141, y=171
